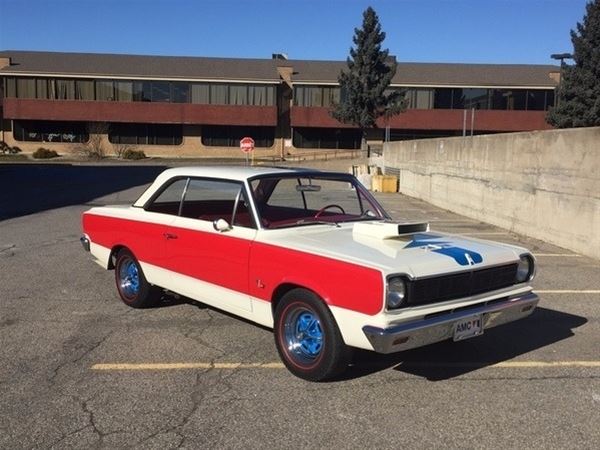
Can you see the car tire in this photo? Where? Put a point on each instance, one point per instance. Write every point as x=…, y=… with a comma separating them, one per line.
x=132, y=286
x=307, y=338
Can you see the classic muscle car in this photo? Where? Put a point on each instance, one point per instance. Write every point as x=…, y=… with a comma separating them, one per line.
x=310, y=254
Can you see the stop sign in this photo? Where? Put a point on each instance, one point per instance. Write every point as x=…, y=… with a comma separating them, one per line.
x=247, y=144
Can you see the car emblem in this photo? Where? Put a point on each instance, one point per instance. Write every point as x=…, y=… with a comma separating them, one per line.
x=469, y=259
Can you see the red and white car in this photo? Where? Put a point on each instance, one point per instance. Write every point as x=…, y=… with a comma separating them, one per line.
x=310, y=254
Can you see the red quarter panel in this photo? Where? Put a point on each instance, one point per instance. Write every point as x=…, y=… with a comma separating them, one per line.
x=145, y=240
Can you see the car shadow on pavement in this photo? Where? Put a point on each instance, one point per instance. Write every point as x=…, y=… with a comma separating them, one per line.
x=446, y=360
x=169, y=299
x=31, y=188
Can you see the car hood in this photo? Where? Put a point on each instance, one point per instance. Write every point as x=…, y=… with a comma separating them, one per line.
x=415, y=254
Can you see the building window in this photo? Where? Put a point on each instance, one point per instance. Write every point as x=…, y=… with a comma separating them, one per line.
x=25, y=87
x=473, y=98
x=105, y=90
x=517, y=99
x=219, y=94
x=261, y=95
x=316, y=96
x=123, y=91
x=84, y=90
x=11, y=87
x=49, y=131
x=230, y=136
x=140, y=91
x=145, y=134
x=442, y=98
x=41, y=87
x=238, y=95
x=327, y=138
x=232, y=94
x=264, y=95
x=180, y=92
x=403, y=134
x=161, y=91
x=200, y=93
x=419, y=98
x=496, y=99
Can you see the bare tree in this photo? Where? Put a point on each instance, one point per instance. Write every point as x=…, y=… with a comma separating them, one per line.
x=121, y=149
x=94, y=147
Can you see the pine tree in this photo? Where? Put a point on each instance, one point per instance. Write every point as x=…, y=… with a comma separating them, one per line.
x=578, y=96
x=364, y=84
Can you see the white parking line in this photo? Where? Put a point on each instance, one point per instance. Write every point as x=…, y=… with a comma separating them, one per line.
x=561, y=255
x=567, y=291
x=487, y=233
x=466, y=222
x=506, y=364
x=278, y=365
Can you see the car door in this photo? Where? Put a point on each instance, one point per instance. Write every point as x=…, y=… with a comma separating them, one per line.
x=148, y=237
x=207, y=264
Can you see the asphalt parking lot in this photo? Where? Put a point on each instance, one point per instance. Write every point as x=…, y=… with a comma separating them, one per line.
x=79, y=369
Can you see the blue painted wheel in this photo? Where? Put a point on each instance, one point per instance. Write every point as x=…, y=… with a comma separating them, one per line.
x=129, y=278
x=132, y=286
x=303, y=335
x=307, y=337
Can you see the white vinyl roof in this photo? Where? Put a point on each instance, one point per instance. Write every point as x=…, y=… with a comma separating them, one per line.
x=235, y=173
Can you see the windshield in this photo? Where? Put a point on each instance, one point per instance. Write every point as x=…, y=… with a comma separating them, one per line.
x=312, y=199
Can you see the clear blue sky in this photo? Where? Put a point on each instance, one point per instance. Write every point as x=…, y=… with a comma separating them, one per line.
x=485, y=31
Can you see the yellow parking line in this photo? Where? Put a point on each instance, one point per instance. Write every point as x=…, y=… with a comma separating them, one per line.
x=278, y=365
x=182, y=366
x=567, y=291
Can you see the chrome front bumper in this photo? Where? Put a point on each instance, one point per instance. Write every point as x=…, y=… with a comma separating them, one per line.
x=441, y=326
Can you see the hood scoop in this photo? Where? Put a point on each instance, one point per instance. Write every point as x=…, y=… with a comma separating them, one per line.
x=388, y=229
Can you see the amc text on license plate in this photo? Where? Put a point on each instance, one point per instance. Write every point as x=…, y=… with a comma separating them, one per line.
x=468, y=327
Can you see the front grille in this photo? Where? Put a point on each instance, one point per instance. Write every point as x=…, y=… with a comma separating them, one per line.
x=458, y=285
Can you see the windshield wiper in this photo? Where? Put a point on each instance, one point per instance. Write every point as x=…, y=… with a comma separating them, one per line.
x=316, y=222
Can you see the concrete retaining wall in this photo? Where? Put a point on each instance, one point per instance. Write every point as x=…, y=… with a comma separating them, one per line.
x=543, y=184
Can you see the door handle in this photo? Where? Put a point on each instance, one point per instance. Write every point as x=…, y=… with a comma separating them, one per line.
x=169, y=236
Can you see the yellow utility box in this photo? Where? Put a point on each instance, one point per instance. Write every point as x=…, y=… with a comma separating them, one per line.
x=385, y=183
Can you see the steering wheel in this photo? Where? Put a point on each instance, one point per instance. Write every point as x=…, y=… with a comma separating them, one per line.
x=326, y=207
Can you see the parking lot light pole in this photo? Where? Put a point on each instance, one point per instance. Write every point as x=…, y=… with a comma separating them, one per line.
x=560, y=57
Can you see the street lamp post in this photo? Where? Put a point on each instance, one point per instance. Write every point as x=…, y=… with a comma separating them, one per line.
x=560, y=57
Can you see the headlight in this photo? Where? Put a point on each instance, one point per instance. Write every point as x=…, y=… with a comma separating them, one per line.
x=525, y=269
x=396, y=292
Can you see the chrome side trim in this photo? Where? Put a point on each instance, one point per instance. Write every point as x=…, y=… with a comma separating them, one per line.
x=85, y=242
x=441, y=327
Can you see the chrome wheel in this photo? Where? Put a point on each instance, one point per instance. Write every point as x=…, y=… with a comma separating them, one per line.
x=303, y=335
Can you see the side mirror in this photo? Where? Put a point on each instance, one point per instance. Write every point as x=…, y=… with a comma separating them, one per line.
x=221, y=225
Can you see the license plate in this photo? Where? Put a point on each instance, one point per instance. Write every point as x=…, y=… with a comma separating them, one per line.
x=468, y=328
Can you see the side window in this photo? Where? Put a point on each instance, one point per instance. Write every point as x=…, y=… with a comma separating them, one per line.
x=214, y=199
x=169, y=199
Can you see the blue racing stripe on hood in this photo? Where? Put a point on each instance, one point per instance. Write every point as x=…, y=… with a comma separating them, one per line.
x=437, y=244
